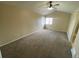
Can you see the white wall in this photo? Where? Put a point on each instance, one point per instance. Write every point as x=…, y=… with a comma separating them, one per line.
x=16, y=22
x=72, y=25
x=60, y=21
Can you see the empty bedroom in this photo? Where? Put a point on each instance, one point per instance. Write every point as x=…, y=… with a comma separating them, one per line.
x=39, y=29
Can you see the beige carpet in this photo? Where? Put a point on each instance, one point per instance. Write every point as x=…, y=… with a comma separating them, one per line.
x=42, y=44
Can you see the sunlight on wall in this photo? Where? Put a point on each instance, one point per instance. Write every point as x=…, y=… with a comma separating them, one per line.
x=49, y=20
x=46, y=20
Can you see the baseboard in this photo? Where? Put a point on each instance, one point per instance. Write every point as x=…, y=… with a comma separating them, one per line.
x=18, y=38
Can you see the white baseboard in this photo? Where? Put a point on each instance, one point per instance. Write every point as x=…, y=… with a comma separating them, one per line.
x=18, y=38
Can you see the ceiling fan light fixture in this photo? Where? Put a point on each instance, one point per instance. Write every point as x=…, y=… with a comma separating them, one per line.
x=50, y=8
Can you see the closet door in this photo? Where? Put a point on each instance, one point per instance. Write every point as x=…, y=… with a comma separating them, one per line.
x=75, y=32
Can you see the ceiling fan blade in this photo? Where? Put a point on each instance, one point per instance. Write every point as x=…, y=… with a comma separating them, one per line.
x=45, y=4
x=56, y=4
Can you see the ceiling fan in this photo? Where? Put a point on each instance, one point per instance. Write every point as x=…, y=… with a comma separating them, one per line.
x=46, y=7
x=52, y=5
x=49, y=5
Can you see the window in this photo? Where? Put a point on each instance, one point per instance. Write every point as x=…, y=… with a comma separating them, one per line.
x=49, y=20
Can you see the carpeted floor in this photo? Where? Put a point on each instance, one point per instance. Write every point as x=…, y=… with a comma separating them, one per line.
x=42, y=44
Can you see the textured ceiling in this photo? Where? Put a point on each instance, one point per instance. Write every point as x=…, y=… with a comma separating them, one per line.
x=41, y=6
